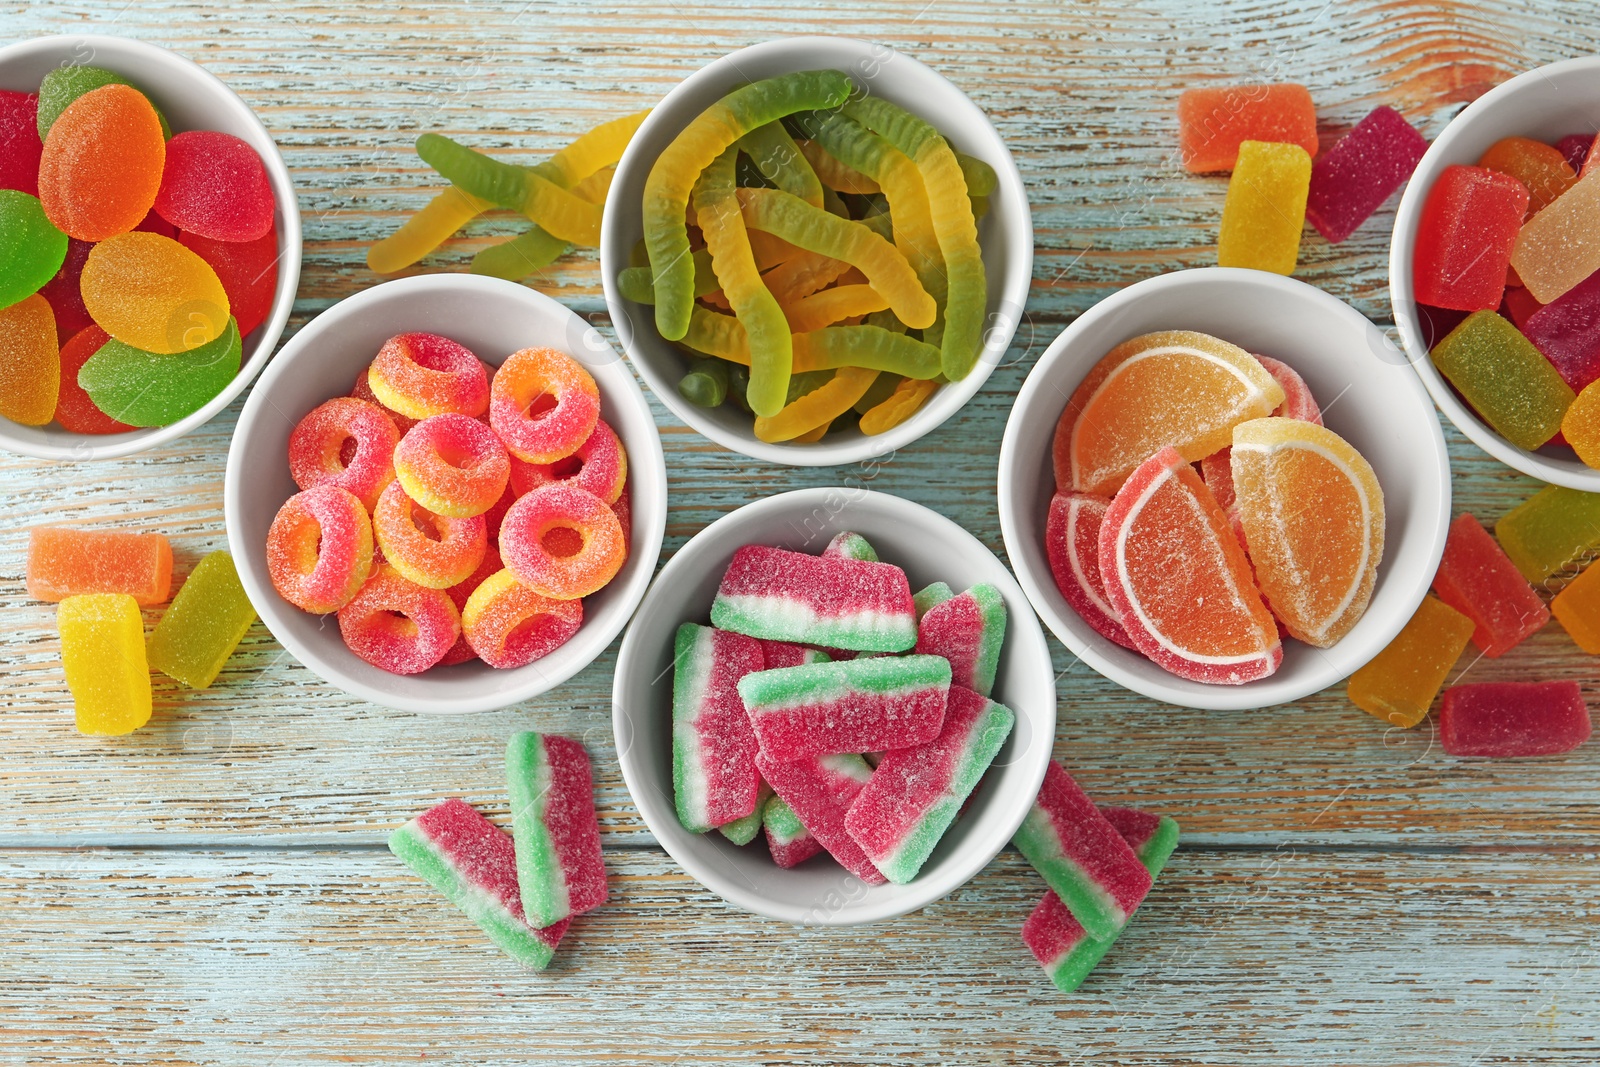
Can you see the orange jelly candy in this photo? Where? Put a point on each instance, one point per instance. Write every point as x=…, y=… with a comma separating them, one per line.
x=63, y=563
x=102, y=163
x=1175, y=388
x=152, y=293
x=1542, y=168
x=1212, y=123
x=1312, y=514
x=30, y=362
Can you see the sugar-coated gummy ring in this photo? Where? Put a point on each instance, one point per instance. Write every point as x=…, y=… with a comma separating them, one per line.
x=398, y=522
x=363, y=391
x=398, y=625
x=543, y=404
x=422, y=374
x=462, y=650
x=600, y=465
x=509, y=625
x=319, y=548
x=452, y=465
x=317, y=448
x=554, y=563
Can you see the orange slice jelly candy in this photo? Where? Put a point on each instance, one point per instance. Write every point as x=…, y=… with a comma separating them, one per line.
x=1179, y=580
x=1312, y=514
x=1177, y=389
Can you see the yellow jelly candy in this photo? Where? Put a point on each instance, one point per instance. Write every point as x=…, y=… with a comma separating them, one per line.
x=1581, y=425
x=151, y=292
x=1266, y=207
x=30, y=362
x=102, y=652
x=1399, y=683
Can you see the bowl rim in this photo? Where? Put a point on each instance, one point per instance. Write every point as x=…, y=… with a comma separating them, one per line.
x=112, y=446
x=1016, y=279
x=1013, y=531
x=646, y=464
x=1402, y=302
x=658, y=811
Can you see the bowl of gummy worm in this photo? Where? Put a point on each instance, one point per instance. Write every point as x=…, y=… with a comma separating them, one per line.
x=149, y=247
x=817, y=251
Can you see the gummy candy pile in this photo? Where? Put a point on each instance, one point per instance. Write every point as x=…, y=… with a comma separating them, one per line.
x=840, y=231
x=1278, y=534
x=1506, y=274
x=450, y=510
x=101, y=579
x=132, y=261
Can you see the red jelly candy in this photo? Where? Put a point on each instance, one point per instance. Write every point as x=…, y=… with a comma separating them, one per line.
x=20, y=146
x=1477, y=579
x=248, y=271
x=215, y=185
x=64, y=295
x=1566, y=331
x=1354, y=177
x=1464, y=240
x=1574, y=148
x=1513, y=719
x=74, y=410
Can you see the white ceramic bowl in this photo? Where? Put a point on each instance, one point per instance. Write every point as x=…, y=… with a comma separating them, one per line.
x=1546, y=104
x=493, y=318
x=930, y=548
x=1006, y=233
x=1369, y=397
x=191, y=99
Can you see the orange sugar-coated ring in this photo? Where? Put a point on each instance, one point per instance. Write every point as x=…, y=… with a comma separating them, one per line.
x=537, y=544
x=319, y=548
x=318, y=452
x=452, y=465
x=432, y=550
x=600, y=465
x=462, y=650
x=363, y=391
x=422, y=374
x=544, y=405
x=398, y=625
x=509, y=625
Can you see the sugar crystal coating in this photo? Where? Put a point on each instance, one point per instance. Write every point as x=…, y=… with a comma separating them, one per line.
x=713, y=747
x=968, y=630
x=832, y=601
x=1265, y=210
x=32, y=250
x=316, y=448
x=152, y=293
x=319, y=549
x=101, y=164
x=432, y=550
x=248, y=271
x=30, y=362
x=1072, y=544
x=1550, y=531
x=1214, y=123
x=103, y=657
x=859, y=705
x=213, y=184
x=1560, y=246
x=205, y=623
x=1398, y=684
x=1464, y=238
x=1505, y=379
x=562, y=541
x=1352, y=179
x=789, y=842
x=423, y=374
x=64, y=562
x=75, y=411
x=544, y=405
x=851, y=545
x=397, y=625
x=460, y=593
x=600, y=465
x=1577, y=608
x=452, y=465
x=1477, y=579
x=1509, y=719
x=149, y=389
x=819, y=790
x=509, y=625
x=20, y=143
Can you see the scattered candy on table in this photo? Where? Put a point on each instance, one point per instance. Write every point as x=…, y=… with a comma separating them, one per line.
x=560, y=872
x=1266, y=207
x=63, y=563
x=103, y=657
x=1506, y=719
x=1477, y=579
x=1399, y=683
x=203, y=625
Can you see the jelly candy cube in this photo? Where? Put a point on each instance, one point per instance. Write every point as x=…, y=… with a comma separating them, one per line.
x=1574, y=148
x=20, y=143
x=145, y=389
x=713, y=747
x=1508, y=719
x=152, y=293
x=1580, y=426
x=1540, y=167
x=1505, y=379
x=851, y=545
x=929, y=597
x=1266, y=208
x=101, y=164
x=102, y=653
x=248, y=272
x=1352, y=179
x=858, y=705
x=1464, y=239
x=31, y=248
x=74, y=410
x=205, y=623
x=1213, y=123
x=1477, y=579
x=559, y=868
x=1560, y=246
x=1551, y=530
x=214, y=185
x=1577, y=609
x=30, y=362
x=779, y=595
x=63, y=563
x=1519, y=306
x=1567, y=331
x=1399, y=683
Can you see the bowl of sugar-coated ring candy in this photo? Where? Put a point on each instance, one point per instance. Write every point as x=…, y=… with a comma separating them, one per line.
x=1224, y=489
x=446, y=494
x=815, y=250
x=149, y=246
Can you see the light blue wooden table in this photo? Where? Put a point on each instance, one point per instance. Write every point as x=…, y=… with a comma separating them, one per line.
x=214, y=889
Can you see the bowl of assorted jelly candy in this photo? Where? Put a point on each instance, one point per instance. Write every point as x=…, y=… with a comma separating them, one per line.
x=149, y=246
x=1223, y=488
x=1494, y=273
x=833, y=706
x=809, y=273
x=446, y=494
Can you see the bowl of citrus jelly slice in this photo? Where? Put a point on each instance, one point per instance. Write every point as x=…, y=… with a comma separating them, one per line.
x=1494, y=272
x=1335, y=472
x=136, y=140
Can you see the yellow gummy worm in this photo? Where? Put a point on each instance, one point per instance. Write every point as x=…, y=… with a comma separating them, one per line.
x=771, y=251
x=817, y=231
x=826, y=349
x=903, y=403
x=818, y=407
x=593, y=151
x=429, y=228
x=672, y=178
x=811, y=437
x=522, y=189
x=780, y=162
x=832, y=305
x=834, y=173
x=596, y=186
x=803, y=275
x=716, y=206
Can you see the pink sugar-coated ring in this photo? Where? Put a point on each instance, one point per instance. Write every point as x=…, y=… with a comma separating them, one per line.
x=525, y=387
x=362, y=390
x=319, y=549
x=600, y=465
x=622, y=507
x=509, y=625
x=496, y=514
x=398, y=522
x=422, y=374
x=598, y=555
x=318, y=456
x=462, y=650
x=452, y=465
x=374, y=631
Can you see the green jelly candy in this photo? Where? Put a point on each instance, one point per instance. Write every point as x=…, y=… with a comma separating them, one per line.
x=149, y=389
x=1506, y=380
x=63, y=85
x=203, y=625
x=31, y=248
x=707, y=385
x=1552, y=530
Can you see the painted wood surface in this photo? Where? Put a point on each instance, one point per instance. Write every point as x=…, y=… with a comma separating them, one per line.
x=214, y=889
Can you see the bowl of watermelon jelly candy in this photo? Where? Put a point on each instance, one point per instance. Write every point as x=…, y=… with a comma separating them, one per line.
x=446, y=494
x=149, y=246
x=1223, y=488
x=815, y=250
x=1494, y=272
x=833, y=706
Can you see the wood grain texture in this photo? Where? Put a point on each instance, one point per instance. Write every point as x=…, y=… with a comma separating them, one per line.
x=1345, y=893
